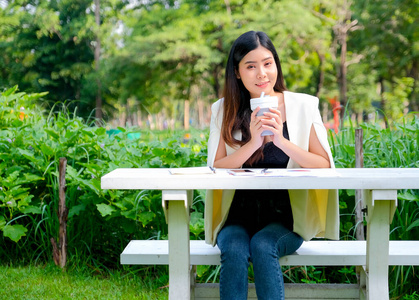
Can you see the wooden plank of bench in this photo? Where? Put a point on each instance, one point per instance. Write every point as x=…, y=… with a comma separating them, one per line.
x=211, y=291
x=152, y=252
x=313, y=253
x=404, y=253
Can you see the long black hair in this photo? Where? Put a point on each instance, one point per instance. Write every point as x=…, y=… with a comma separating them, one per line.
x=236, y=96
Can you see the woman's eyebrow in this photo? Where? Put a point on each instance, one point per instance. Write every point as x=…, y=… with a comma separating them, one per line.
x=253, y=62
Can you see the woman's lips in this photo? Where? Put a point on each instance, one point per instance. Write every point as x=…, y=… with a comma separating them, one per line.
x=263, y=84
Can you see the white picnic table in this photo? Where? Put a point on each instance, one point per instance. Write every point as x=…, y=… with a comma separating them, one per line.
x=380, y=187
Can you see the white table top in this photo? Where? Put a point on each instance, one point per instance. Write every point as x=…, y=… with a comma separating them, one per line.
x=348, y=178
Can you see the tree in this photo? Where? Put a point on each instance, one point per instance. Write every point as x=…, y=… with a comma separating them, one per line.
x=52, y=45
x=174, y=55
x=155, y=57
x=48, y=49
x=98, y=112
x=389, y=44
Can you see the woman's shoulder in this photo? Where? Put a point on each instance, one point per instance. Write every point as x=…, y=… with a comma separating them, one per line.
x=217, y=105
x=301, y=100
x=218, y=102
x=300, y=96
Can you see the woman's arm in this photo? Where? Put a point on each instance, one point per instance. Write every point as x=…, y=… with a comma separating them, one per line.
x=234, y=160
x=239, y=157
x=315, y=157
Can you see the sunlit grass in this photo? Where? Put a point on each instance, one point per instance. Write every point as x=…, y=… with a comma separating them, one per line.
x=49, y=282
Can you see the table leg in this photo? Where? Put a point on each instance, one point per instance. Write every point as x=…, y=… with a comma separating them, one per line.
x=177, y=213
x=380, y=211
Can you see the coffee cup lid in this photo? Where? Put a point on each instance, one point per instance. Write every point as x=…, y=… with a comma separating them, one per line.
x=270, y=101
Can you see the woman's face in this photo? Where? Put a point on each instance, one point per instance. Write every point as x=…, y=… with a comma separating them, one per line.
x=258, y=72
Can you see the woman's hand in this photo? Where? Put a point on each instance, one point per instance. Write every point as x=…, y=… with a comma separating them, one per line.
x=256, y=129
x=274, y=123
x=241, y=155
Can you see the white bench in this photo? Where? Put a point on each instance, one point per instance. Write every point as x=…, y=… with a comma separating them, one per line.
x=313, y=253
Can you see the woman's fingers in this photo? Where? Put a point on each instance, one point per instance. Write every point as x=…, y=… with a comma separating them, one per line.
x=274, y=114
x=254, y=113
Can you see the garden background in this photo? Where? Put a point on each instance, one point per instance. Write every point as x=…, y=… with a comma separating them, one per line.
x=111, y=84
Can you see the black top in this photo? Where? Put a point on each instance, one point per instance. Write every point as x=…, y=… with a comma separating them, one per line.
x=254, y=209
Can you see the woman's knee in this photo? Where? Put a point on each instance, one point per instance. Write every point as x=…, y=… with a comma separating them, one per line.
x=261, y=246
x=275, y=241
x=233, y=241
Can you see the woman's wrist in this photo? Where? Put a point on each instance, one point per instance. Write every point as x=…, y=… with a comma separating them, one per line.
x=253, y=145
x=281, y=142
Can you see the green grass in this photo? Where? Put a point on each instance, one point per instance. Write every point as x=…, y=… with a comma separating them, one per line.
x=49, y=282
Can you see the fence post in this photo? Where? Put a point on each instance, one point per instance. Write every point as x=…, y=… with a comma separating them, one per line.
x=359, y=205
x=60, y=252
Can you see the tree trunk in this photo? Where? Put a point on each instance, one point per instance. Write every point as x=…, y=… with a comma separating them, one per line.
x=186, y=115
x=228, y=8
x=201, y=117
x=60, y=251
x=321, y=75
x=63, y=213
x=341, y=29
x=342, y=74
x=359, y=163
x=414, y=73
x=325, y=112
x=127, y=114
x=98, y=111
x=216, y=85
x=383, y=100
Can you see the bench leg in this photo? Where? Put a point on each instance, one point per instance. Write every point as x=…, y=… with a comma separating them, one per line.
x=179, y=276
x=379, y=216
x=193, y=279
x=362, y=280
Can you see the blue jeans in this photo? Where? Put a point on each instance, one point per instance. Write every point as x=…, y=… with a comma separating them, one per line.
x=263, y=249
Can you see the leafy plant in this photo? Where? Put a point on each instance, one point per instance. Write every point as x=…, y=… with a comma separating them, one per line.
x=100, y=222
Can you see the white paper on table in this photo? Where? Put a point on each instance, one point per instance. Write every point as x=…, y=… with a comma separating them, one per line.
x=299, y=173
x=191, y=171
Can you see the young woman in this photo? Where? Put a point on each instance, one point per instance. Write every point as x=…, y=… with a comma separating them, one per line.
x=260, y=226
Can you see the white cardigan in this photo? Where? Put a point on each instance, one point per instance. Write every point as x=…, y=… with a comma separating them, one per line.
x=315, y=212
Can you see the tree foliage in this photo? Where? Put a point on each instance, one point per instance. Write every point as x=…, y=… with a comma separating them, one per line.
x=157, y=54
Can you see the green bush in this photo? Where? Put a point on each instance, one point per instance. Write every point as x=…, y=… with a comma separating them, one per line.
x=102, y=222
x=395, y=147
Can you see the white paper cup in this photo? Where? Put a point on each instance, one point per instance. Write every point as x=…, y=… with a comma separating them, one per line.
x=264, y=103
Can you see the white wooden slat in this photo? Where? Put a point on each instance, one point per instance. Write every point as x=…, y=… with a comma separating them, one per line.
x=292, y=291
x=345, y=178
x=404, y=253
x=313, y=253
x=327, y=253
